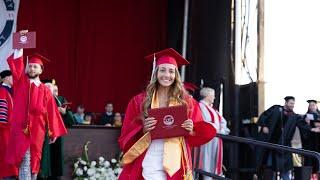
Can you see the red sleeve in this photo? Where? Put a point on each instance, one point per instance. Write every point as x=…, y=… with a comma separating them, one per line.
x=16, y=67
x=132, y=125
x=55, y=122
x=203, y=131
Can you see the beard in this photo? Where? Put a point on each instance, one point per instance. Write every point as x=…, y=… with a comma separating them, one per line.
x=33, y=76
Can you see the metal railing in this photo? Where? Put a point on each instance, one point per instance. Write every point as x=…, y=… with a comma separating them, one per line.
x=271, y=146
x=214, y=176
x=262, y=144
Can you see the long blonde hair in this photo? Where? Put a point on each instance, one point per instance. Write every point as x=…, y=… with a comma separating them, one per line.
x=176, y=92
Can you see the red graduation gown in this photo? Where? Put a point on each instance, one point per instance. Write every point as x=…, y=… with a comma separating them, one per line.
x=34, y=106
x=132, y=130
x=6, y=105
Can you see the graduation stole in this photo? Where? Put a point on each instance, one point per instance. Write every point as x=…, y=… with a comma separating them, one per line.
x=174, y=150
x=218, y=168
x=211, y=110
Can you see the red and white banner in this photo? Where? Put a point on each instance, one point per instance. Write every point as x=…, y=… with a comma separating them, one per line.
x=8, y=24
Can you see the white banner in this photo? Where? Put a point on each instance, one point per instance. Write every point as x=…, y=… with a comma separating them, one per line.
x=8, y=24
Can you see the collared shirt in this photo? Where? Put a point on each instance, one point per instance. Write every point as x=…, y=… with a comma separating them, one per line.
x=36, y=82
x=4, y=84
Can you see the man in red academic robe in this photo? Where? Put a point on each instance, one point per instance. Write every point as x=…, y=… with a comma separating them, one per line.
x=34, y=110
x=7, y=171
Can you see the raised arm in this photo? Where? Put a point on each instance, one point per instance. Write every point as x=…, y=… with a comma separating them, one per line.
x=16, y=64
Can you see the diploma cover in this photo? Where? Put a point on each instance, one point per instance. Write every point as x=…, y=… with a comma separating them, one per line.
x=169, y=120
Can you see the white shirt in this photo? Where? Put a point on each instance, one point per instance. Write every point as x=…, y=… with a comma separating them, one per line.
x=152, y=164
x=4, y=84
x=36, y=82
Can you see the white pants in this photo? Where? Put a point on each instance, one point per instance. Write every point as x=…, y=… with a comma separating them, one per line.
x=152, y=168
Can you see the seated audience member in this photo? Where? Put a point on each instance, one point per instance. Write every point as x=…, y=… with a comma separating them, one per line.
x=107, y=117
x=79, y=115
x=117, y=120
x=87, y=119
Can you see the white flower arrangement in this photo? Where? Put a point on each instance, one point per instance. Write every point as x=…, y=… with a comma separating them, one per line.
x=96, y=170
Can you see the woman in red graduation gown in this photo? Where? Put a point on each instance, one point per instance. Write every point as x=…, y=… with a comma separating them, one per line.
x=161, y=158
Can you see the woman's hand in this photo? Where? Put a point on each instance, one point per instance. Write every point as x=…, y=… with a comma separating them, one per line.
x=149, y=124
x=188, y=125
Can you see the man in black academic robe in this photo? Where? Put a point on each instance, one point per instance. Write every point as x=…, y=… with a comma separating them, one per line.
x=311, y=140
x=278, y=125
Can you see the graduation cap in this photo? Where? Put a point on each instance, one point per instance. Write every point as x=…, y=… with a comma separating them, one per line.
x=312, y=101
x=167, y=56
x=37, y=58
x=5, y=73
x=190, y=86
x=287, y=98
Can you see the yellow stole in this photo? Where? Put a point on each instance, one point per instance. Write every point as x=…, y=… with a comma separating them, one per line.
x=174, y=151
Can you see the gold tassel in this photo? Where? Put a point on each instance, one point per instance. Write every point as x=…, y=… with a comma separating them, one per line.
x=187, y=173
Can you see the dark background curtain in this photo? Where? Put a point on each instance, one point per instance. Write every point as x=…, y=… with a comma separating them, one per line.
x=210, y=53
x=96, y=47
x=209, y=48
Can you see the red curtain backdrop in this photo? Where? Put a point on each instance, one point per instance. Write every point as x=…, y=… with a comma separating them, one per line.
x=96, y=47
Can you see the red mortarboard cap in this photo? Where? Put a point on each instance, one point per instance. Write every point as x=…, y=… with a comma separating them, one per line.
x=167, y=56
x=190, y=86
x=37, y=59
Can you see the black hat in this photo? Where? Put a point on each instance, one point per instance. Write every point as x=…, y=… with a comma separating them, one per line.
x=5, y=73
x=312, y=100
x=52, y=81
x=287, y=98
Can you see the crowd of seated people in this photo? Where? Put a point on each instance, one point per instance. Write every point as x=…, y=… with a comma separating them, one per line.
x=107, y=118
